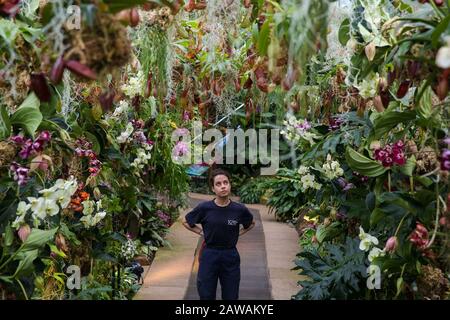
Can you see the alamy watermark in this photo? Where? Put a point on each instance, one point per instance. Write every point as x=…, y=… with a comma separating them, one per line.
x=74, y=280
x=374, y=277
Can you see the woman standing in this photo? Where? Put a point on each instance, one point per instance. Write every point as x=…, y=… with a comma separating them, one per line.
x=220, y=219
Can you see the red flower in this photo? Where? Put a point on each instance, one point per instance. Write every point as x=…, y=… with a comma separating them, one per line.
x=391, y=154
x=9, y=7
x=419, y=237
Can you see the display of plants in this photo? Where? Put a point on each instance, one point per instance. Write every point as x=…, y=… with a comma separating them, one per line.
x=91, y=92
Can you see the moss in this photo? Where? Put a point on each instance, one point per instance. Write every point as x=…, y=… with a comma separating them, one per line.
x=432, y=283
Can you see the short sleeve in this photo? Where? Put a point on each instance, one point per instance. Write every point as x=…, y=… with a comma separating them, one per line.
x=195, y=216
x=247, y=218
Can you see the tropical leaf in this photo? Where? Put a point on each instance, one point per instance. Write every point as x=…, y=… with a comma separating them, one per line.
x=26, y=263
x=344, y=32
x=28, y=118
x=5, y=124
x=362, y=164
x=409, y=166
x=32, y=101
x=38, y=238
x=388, y=120
x=263, y=38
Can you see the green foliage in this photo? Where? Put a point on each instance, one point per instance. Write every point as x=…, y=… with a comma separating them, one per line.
x=363, y=165
x=253, y=190
x=334, y=271
x=27, y=118
x=167, y=175
x=5, y=124
x=286, y=198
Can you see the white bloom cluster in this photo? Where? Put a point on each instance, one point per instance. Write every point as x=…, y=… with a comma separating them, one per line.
x=368, y=242
x=121, y=109
x=369, y=86
x=125, y=135
x=142, y=157
x=49, y=204
x=135, y=85
x=332, y=169
x=89, y=219
x=308, y=179
x=129, y=249
x=443, y=55
x=298, y=129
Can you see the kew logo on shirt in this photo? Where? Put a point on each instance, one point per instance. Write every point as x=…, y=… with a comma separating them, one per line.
x=232, y=222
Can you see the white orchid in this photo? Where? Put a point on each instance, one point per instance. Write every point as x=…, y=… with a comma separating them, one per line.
x=88, y=207
x=369, y=86
x=125, y=134
x=101, y=214
x=46, y=208
x=71, y=185
x=50, y=203
x=51, y=207
x=135, y=85
x=308, y=181
x=37, y=207
x=90, y=220
x=443, y=55
x=46, y=193
x=87, y=221
x=62, y=197
x=142, y=159
x=18, y=221
x=375, y=253
x=22, y=208
x=295, y=130
x=121, y=109
x=98, y=217
x=367, y=240
x=303, y=170
x=332, y=169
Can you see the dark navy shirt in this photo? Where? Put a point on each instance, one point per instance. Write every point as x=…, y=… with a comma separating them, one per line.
x=220, y=224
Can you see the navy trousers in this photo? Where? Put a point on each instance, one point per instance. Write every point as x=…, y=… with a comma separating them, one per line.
x=222, y=265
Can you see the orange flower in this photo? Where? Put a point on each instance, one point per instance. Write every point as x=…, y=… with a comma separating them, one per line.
x=76, y=201
x=84, y=195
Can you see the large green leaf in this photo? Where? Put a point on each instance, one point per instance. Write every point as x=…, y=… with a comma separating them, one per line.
x=8, y=237
x=263, y=38
x=5, y=124
x=344, y=32
x=26, y=262
x=362, y=164
x=32, y=101
x=38, y=238
x=424, y=105
x=388, y=120
x=376, y=216
x=439, y=30
x=409, y=166
x=27, y=118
